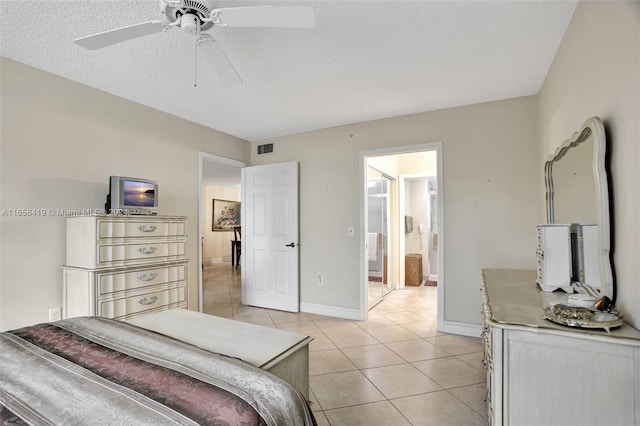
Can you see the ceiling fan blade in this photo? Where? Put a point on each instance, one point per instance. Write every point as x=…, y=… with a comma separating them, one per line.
x=107, y=38
x=219, y=61
x=267, y=16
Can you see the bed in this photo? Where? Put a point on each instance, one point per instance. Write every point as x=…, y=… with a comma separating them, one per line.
x=93, y=370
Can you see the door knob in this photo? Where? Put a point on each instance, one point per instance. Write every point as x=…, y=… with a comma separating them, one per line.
x=290, y=245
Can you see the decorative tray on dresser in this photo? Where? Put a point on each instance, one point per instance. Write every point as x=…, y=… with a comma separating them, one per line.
x=122, y=266
x=543, y=373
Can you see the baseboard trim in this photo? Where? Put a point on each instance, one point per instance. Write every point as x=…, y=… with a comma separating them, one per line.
x=331, y=311
x=461, y=328
x=218, y=261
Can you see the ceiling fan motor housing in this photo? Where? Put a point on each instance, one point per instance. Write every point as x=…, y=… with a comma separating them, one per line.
x=198, y=8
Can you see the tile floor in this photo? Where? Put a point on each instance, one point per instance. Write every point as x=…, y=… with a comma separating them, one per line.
x=393, y=369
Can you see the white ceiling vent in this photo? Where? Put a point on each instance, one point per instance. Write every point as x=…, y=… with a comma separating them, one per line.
x=266, y=148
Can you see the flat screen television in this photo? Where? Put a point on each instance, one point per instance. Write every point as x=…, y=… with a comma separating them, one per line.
x=132, y=196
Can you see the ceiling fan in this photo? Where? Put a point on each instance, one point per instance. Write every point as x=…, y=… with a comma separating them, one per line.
x=195, y=16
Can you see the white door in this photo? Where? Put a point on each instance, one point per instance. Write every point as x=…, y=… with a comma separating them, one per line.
x=270, y=236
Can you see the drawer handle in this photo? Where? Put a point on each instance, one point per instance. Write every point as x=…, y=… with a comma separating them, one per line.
x=149, y=250
x=144, y=277
x=143, y=228
x=149, y=301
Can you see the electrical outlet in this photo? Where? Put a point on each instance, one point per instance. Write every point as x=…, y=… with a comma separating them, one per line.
x=55, y=314
x=320, y=280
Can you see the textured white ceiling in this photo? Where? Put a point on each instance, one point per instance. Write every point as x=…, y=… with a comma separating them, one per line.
x=364, y=60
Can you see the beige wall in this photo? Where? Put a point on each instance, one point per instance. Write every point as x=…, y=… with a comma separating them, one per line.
x=425, y=163
x=61, y=140
x=60, y=143
x=386, y=164
x=217, y=245
x=596, y=72
x=491, y=197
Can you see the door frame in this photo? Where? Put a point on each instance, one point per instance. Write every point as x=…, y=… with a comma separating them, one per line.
x=364, y=155
x=202, y=157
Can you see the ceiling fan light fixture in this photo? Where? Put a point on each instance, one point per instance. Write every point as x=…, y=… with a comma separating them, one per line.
x=174, y=11
x=189, y=23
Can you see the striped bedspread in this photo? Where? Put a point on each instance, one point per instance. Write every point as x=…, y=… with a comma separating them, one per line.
x=85, y=371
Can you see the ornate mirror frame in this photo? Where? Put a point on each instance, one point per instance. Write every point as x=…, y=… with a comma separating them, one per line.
x=593, y=127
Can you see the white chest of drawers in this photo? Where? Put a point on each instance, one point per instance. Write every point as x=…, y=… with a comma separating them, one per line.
x=123, y=266
x=542, y=373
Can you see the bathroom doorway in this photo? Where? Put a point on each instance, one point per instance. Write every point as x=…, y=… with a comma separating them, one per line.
x=419, y=240
x=401, y=207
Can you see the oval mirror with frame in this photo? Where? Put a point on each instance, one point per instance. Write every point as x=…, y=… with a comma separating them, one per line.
x=578, y=193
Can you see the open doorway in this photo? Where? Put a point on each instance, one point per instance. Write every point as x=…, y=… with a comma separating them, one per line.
x=412, y=244
x=219, y=279
x=419, y=241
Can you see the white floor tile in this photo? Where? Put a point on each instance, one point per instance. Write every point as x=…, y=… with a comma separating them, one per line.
x=388, y=370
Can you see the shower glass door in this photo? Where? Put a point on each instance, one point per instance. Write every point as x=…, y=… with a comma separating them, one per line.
x=378, y=186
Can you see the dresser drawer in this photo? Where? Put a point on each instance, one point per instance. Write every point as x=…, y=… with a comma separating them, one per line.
x=95, y=242
x=127, y=306
x=109, y=254
x=112, y=282
x=109, y=228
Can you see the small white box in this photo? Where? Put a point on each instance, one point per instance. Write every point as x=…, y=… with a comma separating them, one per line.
x=554, y=252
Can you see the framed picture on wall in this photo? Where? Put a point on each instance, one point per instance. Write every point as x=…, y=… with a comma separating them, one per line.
x=226, y=215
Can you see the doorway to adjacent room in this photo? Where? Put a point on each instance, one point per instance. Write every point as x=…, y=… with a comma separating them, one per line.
x=220, y=179
x=401, y=205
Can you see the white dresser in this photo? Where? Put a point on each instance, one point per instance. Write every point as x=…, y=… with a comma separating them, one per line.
x=542, y=373
x=123, y=266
